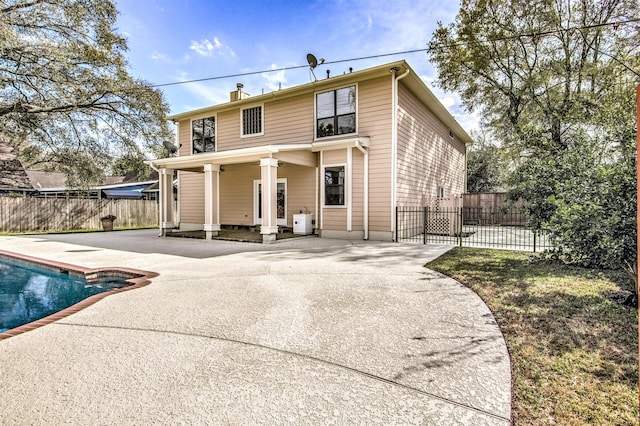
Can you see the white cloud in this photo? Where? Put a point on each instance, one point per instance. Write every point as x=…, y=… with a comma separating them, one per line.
x=160, y=57
x=209, y=48
x=275, y=80
x=448, y=101
x=385, y=27
x=204, y=47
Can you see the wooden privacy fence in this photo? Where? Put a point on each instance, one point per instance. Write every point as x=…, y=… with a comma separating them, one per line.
x=492, y=208
x=61, y=214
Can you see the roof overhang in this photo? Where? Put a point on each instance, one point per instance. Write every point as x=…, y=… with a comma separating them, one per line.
x=426, y=96
x=314, y=86
x=413, y=81
x=353, y=142
x=300, y=154
x=126, y=185
x=196, y=162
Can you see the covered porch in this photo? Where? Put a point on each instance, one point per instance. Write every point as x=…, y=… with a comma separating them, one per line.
x=249, y=174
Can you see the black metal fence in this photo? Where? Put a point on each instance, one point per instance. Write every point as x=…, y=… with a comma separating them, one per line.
x=469, y=227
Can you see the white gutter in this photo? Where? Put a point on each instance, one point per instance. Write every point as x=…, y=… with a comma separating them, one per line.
x=150, y=163
x=233, y=153
x=394, y=146
x=365, y=221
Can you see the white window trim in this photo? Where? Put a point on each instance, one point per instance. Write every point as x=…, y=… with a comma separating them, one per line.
x=347, y=194
x=315, y=111
x=215, y=132
x=242, y=136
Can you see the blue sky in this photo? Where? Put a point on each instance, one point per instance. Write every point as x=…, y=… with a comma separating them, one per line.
x=179, y=40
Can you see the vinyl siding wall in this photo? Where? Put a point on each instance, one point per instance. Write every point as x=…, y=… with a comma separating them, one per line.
x=375, y=121
x=236, y=193
x=428, y=156
x=292, y=121
x=334, y=217
x=301, y=190
x=236, y=183
x=237, y=187
x=357, y=188
x=191, y=197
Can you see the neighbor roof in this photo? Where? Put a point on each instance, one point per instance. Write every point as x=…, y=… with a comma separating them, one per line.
x=12, y=174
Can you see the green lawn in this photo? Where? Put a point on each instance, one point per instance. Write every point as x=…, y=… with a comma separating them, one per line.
x=574, y=353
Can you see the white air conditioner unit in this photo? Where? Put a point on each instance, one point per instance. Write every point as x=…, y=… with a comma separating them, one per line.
x=302, y=224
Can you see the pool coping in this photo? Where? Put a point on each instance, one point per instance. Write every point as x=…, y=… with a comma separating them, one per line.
x=135, y=277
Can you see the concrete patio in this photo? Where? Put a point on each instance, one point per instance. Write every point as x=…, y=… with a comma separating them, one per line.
x=302, y=331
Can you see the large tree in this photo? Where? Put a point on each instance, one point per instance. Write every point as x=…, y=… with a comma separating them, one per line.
x=485, y=166
x=66, y=95
x=537, y=66
x=554, y=80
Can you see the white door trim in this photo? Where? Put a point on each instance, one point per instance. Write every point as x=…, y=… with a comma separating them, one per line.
x=256, y=203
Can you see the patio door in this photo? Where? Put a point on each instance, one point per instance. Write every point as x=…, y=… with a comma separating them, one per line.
x=281, y=202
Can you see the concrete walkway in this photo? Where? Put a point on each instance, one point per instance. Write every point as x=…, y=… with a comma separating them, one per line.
x=303, y=331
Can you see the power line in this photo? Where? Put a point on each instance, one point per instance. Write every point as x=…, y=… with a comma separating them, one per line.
x=532, y=36
x=221, y=77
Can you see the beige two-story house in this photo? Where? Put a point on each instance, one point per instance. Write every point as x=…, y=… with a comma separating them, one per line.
x=340, y=153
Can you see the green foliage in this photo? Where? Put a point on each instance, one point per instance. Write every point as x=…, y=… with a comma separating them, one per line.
x=485, y=166
x=536, y=66
x=131, y=165
x=554, y=82
x=585, y=195
x=65, y=89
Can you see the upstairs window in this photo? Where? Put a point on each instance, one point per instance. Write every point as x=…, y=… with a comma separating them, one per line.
x=203, y=135
x=334, y=186
x=252, y=121
x=336, y=112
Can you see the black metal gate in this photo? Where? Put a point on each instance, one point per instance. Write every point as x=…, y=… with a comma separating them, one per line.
x=469, y=227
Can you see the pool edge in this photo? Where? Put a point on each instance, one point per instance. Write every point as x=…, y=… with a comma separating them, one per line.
x=141, y=278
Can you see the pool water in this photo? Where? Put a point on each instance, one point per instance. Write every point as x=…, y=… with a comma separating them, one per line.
x=28, y=293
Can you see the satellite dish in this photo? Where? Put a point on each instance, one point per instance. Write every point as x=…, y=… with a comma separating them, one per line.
x=312, y=60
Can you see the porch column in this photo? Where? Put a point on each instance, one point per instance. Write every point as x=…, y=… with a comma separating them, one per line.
x=211, y=200
x=166, y=200
x=269, y=181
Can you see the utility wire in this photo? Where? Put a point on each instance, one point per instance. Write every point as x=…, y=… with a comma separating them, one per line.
x=532, y=36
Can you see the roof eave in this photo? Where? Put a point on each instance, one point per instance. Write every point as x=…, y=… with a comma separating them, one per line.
x=313, y=86
x=420, y=89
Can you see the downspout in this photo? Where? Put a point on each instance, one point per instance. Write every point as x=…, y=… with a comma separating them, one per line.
x=394, y=143
x=317, y=198
x=365, y=221
x=321, y=198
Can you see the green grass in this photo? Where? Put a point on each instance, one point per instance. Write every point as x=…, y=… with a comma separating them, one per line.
x=574, y=353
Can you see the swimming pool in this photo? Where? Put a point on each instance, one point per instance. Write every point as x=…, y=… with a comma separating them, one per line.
x=35, y=292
